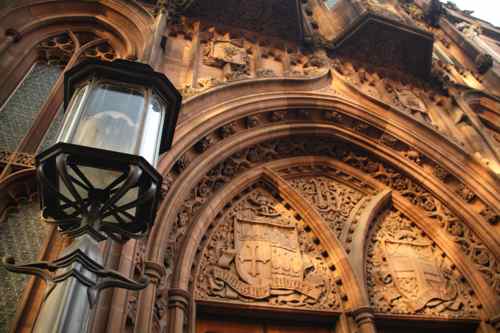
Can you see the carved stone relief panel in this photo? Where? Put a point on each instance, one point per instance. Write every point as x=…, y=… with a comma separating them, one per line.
x=471, y=246
x=261, y=252
x=228, y=55
x=408, y=274
x=334, y=201
x=412, y=98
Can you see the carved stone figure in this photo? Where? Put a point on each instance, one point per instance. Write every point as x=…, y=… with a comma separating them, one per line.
x=229, y=55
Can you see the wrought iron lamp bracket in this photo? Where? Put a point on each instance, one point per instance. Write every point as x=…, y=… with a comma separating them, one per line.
x=78, y=265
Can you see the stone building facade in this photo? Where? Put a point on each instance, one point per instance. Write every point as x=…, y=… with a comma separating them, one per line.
x=335, y=167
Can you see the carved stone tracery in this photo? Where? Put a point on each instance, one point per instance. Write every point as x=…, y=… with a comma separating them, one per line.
x=334, y=201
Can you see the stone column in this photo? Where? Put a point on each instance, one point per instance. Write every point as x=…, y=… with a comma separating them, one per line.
x=495, y=322
x=147, y=297
x=365, y=320
x=178, y=306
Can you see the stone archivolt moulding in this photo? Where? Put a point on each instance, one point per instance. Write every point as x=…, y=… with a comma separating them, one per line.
x=214, y=230
x=228, y=169
x=271, y=122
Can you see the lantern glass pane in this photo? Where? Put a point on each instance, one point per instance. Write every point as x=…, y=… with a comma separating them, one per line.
x=151, y=135
x=71, y=117
x=111, y=118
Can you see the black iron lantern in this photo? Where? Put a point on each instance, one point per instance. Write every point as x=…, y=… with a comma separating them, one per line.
x=99, y=181
x=100, y=178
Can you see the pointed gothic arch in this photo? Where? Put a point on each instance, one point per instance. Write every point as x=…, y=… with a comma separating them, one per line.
x=231, y=127
x=124, y=27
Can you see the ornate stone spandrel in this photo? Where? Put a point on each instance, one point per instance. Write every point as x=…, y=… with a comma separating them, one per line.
x=259, y=253
x=408, y=274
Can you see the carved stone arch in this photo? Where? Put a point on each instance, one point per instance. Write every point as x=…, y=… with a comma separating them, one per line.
x=208, y=111
x=210, y=210
x=125, y=24
x=392, y=157
x=360, y=223
x=238, y=123
x=382, y=201
x=409, y=274
x=393, y=130
x=349, y=293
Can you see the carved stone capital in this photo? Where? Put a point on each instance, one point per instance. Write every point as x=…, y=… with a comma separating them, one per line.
x=363, y=315
x=365, y=319
x=178, y=298
x=154, y=271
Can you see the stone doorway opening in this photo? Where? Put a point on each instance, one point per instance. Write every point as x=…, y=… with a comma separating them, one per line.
x=214, y=319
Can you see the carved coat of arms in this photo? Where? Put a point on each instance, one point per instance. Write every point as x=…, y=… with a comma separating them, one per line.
x=416, y=275
x=408, y=274
x=267, y=258
x=266, y=262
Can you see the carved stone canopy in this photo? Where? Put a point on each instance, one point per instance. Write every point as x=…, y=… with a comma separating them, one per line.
x=382, y=37
x=275, y=18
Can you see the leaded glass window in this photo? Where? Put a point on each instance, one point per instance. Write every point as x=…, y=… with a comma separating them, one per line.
x=21, y=236
x=20, y=110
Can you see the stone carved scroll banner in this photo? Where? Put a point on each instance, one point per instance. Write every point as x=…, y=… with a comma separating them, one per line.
x=259, y=253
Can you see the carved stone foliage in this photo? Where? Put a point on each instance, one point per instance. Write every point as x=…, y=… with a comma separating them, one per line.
x=407, y=273
x=334, y=201
x=414, y=192
x=261, y=253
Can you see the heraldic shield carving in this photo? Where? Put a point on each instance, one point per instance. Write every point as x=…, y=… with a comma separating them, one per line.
x=260, y=253
x=416, y=275
x=407, y=273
